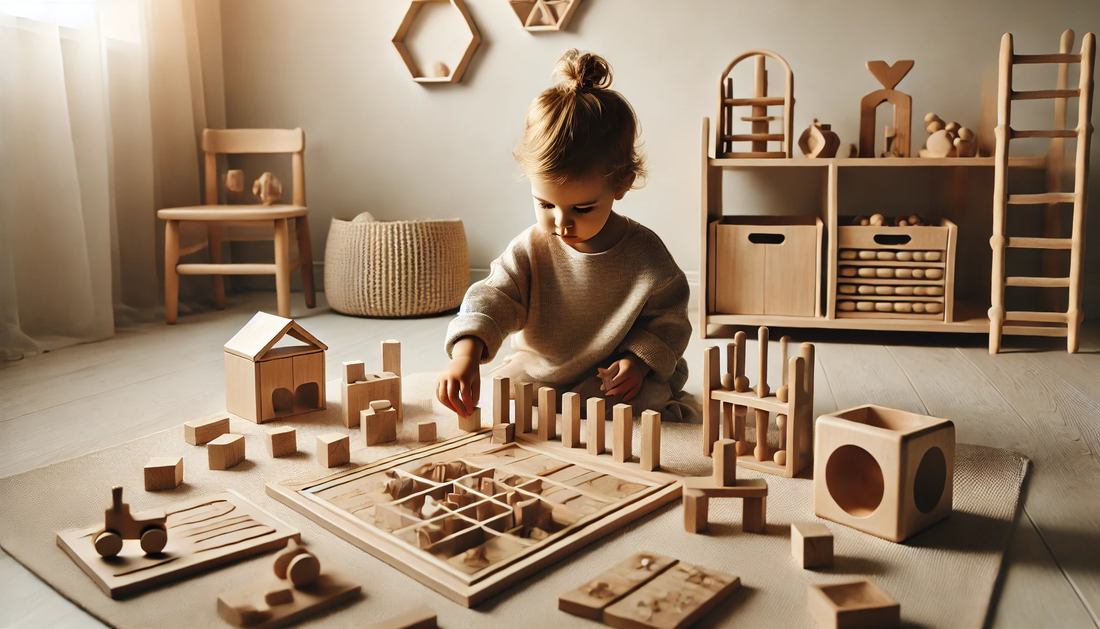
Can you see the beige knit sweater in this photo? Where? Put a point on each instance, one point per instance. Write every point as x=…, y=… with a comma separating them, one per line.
x=573, y=311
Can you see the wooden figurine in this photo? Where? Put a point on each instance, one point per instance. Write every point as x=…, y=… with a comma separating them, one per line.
x=853, y=604
x=234, y=181
x=882, y=471
x=812, y=544
x=889, y=76
x=501, y=400
x=548, y=414
x=503, y=433
x=544, y=15
x=470, y=35
x=420, y=617
x=592, y=598
x=759, y=121
x=202, y=431
x=225, y=452
x=651, y=440
x=333, y=449
x=819, y=140
x=571, y=420
x=675, y=599
x=472, y=422
x=525, y=400
x=378, y=423
x=425, y=431
x=163, y=472
x=440, y=70
x=265, y=382
x=623, y=431
x=360, y=388
x=723, y=483
x=282, y=441
x=596, y=425
x=268, y=189
x=119, y=525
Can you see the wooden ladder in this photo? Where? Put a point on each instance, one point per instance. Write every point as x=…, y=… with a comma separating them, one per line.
x=1078, y=196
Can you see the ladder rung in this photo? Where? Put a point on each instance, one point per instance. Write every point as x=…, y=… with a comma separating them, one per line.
x=1047, y=282
x=755, y=155
x=1040, y=243
x=1039, y=94
x=1040, y=199
x=760, y=118
x=1052, y=58
x=749, y=137
x=1038, y=317
x=1044, y=133
x=759, y=100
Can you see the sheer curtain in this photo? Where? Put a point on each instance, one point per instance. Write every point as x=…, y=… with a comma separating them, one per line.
x=102, y=103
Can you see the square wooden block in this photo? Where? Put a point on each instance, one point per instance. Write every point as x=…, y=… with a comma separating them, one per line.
x=282, y=441
x=333, y=449
x=225, y=451
x=202, y=431
x=812, y=544
x=472, y=422
x=854, y=604
x=163, y=472
x=425, y=431
x=504, y=433
x=378, y=423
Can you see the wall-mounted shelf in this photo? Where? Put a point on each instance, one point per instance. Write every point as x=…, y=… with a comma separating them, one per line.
x=544, y=15
x=458, y=68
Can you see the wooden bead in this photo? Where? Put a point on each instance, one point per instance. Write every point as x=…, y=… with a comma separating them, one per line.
x=865, y=306
x=781, y=393
x=741, y=384
x=885, y=255
x=903, y=290
x=884, y=290
x=846, y=306
x=866, y=289
x=918, y=307
x=933, y=290
x=903, y=306
x=918, y=256
x=866, y=255
x=866, y=271
x=884, y=273
x=933, y=274
x=847, y=254
x=884, y=306
x=727, y=381
x=847, y=289
x=876, y=220
x=905, y=256
x=932, y=256
x=848, y=271
x=904, y=273
x=918, y=274
x=933, y=308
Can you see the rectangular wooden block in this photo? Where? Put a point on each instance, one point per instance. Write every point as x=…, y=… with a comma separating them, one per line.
x=504, y=433
x=696, y=591
x=812, y=544
x=472, y=422
x=357, y=396
x=548, y=413
x=425, y=431
x=725, y=463
x=282, y=441
x=853, y=604
x=754, y=515
x=596, y=425
x=525, y=400
x=696, y=506
x=163, y=472
x=225, y=451
x=745, y=488
x=391, y=357
x=571, y=420
x=623, y=437
x=354, y=371
x=333, y=449
x=502, y=395
x=651, y=440
x=589, y=600
x=378, y=424
x=202, y=431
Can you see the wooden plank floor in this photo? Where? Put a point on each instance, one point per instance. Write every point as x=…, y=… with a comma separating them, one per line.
x=1034, y=398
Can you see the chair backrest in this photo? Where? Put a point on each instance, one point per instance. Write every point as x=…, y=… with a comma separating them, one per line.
x=242, y=141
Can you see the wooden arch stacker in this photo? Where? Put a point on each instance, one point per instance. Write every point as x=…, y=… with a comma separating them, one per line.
x=759, y=102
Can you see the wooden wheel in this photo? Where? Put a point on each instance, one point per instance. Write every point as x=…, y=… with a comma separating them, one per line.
x=108, y=543
x=154, y=539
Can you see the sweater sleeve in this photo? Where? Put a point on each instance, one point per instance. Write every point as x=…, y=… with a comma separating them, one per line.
x=497, y=305
x=660, y=334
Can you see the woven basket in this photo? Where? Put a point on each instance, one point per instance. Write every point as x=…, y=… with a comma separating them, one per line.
x=395, y=268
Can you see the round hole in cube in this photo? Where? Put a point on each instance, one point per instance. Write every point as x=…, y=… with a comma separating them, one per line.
x=930, y=481
x=854, y=480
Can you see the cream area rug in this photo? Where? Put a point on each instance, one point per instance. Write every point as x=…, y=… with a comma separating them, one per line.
x=943, y=577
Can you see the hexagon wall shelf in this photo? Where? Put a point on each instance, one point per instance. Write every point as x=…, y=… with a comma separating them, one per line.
x=403, y=49
x=544, y=15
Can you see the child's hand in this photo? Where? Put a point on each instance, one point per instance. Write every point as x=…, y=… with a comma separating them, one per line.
x=624, y=377
x=459, y=386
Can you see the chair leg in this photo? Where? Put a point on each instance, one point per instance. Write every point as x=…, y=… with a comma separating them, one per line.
x=282, y=267
x=171, y=276
x=305, y=255
x=214, y=243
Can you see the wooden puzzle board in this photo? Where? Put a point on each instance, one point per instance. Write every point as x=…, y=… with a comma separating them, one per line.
x=524, y=505
x=202, y=533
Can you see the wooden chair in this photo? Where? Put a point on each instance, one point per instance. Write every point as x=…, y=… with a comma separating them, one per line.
x=217, y=217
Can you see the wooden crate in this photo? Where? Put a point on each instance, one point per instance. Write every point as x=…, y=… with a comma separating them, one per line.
x=766, y=265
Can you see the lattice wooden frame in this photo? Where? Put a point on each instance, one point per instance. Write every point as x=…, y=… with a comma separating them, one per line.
x=403, y=49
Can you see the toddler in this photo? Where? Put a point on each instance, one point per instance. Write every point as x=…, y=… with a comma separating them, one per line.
x=597, y=304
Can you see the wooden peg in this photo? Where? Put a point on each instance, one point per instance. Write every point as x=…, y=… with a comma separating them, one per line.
x=696, y=507
x=391, y=356
x=725, y=463
x=525, y=400
x=761, y=451
x=548, y=413
x=754, y=515
x=729, y=378
x=501, y=400
x=781, y=392
x=711, y=407
x=571, y=420
x=762, y=389
x=741, y=383
x=651, y=440
x=780, y=456
x=596, y=425
x=623, y=437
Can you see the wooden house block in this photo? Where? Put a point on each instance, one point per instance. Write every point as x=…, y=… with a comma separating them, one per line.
x=853, y=604
x=548, y=413
x=425, y=431
x=202, y=431
x=571, y=420
x=472, y=422
x=391, y=357
x=416, y=618
x=265, y=382
x=378, y=423
x=282, y=441
x=651, y=440
x=357, y=396
x=596, y=425
x=163, y=472
x=504, y=433
x=501, y=400
x=812, y=544
x=589, y=600
x=882, y=471
x=696, y=591
x=696, y=507
x=623, y=433
x=725, y=463
x=525, y=401
x=333, y=449
x=225, y=451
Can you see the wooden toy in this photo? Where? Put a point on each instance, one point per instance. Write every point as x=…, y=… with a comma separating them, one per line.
x=378, y=423
x=675, y=599
x=759, y=121
x=819, y=140
x=119, y=525
x=723, y=483
x=651, y=441
x=265, y=382
x=544, y=15
x=425, y=431
x=360, y=388
x=163, y=472
x=548, y=414
x=882, y=471
x=525, y=400
x=403, y=47
x=201, y=431
x=853, y=604
x=590, y=599
x=391, y=357
x=333, y=449
x=268, y=189
x=282, y=441
x=470, y=518
x=947, y=139
x=622, y=433
x=416, y=618
x=201, y=533
x=504, y=433
x=812, y=544
x=501, y=400
x=596, y=425
x=472, y=422
x=889, y=76
x=234, y=181
x=225, y=452
x=571, y=420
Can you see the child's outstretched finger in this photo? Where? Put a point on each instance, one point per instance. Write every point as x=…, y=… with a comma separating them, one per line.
x=467, y=396
x=454, y=394
x=441, y=393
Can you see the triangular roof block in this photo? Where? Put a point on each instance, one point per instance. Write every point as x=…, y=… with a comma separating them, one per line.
x=263, y=331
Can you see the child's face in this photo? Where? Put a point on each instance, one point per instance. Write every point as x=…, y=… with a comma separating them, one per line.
x=574, y=211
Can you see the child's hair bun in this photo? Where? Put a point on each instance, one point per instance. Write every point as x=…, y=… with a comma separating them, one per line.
x=582, y=72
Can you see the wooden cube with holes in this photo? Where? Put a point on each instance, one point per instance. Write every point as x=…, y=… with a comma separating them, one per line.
x=333, y=449
x=163, y=472
x=883, y=471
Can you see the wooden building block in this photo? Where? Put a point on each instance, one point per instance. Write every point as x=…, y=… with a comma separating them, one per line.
x=472, y=422
x=333, y=449
x=596, y=425
x=501, y=400
x=282, y=441
x=812, y=544
x=696, y=507
x=853, y=604
x=623, y=433
x=651, y=440
x=504, y=433
x=725, y=463
x=675, y=599
x=378, y=423
x=745, y=487
x=391, y=357
x=357, y=396
x=571, y=420
x=354, y=371
x=589, y=600
x=525, y=401
x=425, y=431
x=163, y=472
x=202, y=431
x=225, y=451
x=754, y=515
x=548, y=413
x=416, y=618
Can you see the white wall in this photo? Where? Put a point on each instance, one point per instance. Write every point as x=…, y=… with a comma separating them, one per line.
x=377, y=141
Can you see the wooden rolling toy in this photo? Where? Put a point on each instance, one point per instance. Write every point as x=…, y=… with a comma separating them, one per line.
x=360, y=388
x=759, y=121
x=899, y=132
x=119, y=525
x=723, y=483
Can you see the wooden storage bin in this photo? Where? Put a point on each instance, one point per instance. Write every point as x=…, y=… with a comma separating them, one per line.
x=896, y=272
x=766, y=265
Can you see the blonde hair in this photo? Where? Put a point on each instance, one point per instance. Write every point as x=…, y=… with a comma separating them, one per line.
x=580, y=125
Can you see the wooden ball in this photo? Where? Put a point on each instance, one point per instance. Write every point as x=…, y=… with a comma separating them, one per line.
x=727, y=381
x=741, y=384
x=780, y=457
x=876, y=219
x=866, y=289
x=781, y=393
x=905, y=256
x=902, y=223
x=915, y=220
x=866, y=255
x=762, y=390
x=865, y=222
x=930, y=116
x=952, y=127
x=965, y=134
